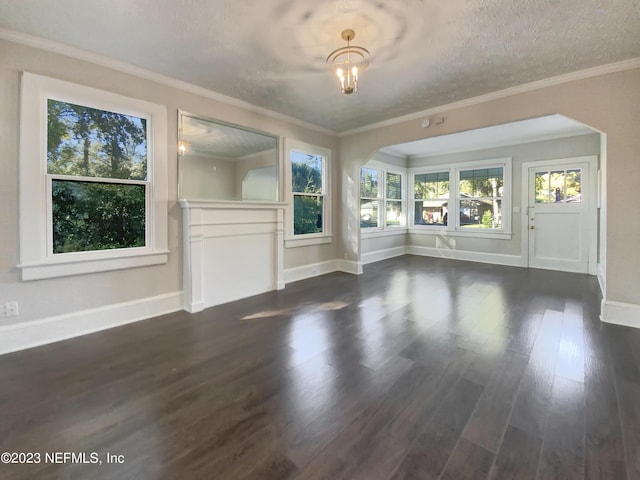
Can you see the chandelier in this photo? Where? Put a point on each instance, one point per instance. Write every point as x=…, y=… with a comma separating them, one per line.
x=348, y=62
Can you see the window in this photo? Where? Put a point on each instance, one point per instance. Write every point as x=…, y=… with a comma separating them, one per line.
x=559, y=186
x=308, y=192
x=393, y=200
x=431, y=197
x=370, y=196
x=93, y=189
x=381, y=198
x=309, y=220
x=478, y=191
x=97, y=170
x=480, y=198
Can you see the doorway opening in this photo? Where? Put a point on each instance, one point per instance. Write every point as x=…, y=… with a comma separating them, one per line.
x=555, y=151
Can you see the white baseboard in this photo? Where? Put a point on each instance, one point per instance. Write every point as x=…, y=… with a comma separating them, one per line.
x=619, y=313
x=379, y=255
x=349, y=266
x=495, y=258
x=194, y=307
x=61, y=327
x=602, y=280
x=311, y=270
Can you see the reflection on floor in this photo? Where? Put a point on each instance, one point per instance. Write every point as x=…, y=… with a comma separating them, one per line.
x=420, y=368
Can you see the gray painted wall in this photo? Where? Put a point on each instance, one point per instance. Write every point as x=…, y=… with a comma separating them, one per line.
x=530, y=152
x=46, y=298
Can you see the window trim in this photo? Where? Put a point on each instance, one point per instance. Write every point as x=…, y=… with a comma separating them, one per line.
x=37, y=260
x=414, y=200
x=383, y=229
x=300, y=240
x=380, y=222
x=402, y=200
x=452, y=228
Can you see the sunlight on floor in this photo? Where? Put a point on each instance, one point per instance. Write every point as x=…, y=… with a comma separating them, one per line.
x=288, y=311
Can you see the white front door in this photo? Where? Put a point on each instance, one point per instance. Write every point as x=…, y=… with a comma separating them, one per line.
x=560, y=227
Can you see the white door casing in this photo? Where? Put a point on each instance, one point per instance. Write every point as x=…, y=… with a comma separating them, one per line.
x=559, y=217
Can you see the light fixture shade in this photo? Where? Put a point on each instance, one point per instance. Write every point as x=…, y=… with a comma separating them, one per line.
x=348, y=63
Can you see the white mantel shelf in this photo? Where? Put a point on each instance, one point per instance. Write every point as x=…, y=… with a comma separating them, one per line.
x=229, y=204
x=233, y=250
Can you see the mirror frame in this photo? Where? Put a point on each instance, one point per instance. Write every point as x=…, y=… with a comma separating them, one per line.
x=183, y=113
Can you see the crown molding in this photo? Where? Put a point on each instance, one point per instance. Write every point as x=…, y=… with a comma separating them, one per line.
x=507, y=92
x=393, y=153
x=102, y=60
x=105, y=61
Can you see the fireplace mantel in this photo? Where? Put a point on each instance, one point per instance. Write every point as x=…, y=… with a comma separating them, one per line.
x=232, y=250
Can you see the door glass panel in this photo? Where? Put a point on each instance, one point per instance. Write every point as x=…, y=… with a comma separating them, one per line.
x=559, y=186
x=574, y=190
x=557, y=179
x=542, y=187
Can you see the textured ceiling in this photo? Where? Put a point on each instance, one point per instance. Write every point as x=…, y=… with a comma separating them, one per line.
x=272, y=53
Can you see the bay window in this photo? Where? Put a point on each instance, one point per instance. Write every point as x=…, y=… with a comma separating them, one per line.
x=382, y=199
x=466, y=199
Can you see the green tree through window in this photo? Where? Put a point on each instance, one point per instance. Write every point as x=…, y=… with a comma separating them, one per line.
x=308, y=193
x=97, y=165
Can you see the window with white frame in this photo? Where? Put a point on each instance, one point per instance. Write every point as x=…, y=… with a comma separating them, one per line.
x=393, y=200
x=431, y=197
x=93, y=181
x=381, y=198
x=471, y=199
x=309, y=220
x=479, y=197
x=370, y=197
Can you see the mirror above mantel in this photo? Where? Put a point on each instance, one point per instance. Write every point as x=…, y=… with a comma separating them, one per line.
x=220, y=161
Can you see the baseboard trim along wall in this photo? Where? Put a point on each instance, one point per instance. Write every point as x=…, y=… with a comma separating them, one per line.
x=619, y=313
x=62, y=327
x=308, y=271
x=602, y=280
x=349, y=266
x=322, y=268
x=378, y=255
x=482, y=257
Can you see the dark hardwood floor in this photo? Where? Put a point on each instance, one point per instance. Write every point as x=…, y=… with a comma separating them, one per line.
x=419, y=369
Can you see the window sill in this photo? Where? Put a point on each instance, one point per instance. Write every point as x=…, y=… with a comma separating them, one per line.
x=78, y=266
x=305, y=242
x=460, y=233
x=374, y=233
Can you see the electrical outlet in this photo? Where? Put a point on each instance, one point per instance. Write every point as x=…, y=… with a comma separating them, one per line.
x=9, y=309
